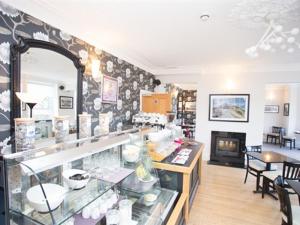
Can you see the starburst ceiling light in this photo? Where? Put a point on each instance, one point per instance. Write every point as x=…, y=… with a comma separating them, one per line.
x=275, y=38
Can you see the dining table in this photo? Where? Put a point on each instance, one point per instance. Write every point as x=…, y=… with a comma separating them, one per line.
x=270, y=157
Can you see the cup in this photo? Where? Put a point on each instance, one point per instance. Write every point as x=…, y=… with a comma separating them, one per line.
x=113, y=217
x=125, y=208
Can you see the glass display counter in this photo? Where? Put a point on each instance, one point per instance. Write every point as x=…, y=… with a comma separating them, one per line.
x=80, y=182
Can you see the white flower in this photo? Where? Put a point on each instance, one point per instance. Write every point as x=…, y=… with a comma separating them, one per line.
x=120, y=80
x=98, y=51
x=84, y=87
x=141, y=77
x=146, y=87
x=84, y=55
x=151, y=81
x=5, y=101
x=8, y=10
x=110, y=115
x=97, y=103
x=134, y=104
x=119, y=126
x=5, y=147
x=128, y=72
x=120, y=61
x=119, y=104
x=109, y=66
x=65, y=36
x=135, y=84
x=4, y=52
x=40, y=36
x=127, y=114
x=127, y=94
x=97, y=130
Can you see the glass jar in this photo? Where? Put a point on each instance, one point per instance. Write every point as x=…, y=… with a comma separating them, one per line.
x=61, y=128
x=85, y=125
x=24, y=134
x=113, y=217
x=104, y=123
x=125, y=208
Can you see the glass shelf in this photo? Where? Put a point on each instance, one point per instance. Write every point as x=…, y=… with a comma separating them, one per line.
x=73, y=203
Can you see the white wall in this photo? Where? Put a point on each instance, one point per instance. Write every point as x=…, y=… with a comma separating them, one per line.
x=241, y=83
x=275, y=95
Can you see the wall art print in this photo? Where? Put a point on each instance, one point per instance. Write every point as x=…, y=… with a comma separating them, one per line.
x=271, y=109
x=109, y=90
x=131, y=79
x=229, y=107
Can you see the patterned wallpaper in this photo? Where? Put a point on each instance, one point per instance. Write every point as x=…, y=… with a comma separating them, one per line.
x=131, y=79
x=187, y=96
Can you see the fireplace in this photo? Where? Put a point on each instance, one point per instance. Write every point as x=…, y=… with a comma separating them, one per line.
x=227, y=148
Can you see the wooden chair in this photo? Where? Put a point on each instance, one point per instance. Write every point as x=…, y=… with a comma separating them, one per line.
x=287, y=139
x=254, y=167
x=275, y=135
x=290, y=214
x=291, y=171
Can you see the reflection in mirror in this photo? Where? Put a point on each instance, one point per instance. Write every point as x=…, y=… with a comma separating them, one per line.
x=51, y=77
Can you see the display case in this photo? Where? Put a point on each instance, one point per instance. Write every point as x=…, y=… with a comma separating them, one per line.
x=84, y=182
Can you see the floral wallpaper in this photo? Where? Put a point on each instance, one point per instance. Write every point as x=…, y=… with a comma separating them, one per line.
x=131, y=79
x=187, y=96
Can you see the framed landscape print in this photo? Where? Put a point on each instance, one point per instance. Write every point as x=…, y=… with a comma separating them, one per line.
x=65, y=102
x=271, y=108
x=110, y=90
x=286, y=109
x=229, y=107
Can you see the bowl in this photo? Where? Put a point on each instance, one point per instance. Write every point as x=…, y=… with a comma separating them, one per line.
x=75, y=184
x=131, y=153
x=54, y=192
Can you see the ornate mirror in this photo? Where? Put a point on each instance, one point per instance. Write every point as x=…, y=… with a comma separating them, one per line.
x=52, y=76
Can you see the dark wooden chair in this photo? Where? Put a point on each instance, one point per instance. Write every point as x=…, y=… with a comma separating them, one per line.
x=291, y=171
x=287, y=139
x=290, y=214
x=253, y=166
x=275, y=135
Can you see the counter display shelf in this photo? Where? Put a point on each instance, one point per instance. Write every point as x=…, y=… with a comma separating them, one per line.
x=99, y=159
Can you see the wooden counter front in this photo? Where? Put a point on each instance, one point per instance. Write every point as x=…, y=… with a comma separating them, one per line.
x=190, y=176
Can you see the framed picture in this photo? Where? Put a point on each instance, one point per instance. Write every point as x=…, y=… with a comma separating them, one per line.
x=65, y=102
x=271, y=108
x=110, y=90
x=286, y=109
x=229, y=107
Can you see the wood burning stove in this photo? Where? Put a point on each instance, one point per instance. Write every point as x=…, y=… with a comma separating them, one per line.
x=227, y=148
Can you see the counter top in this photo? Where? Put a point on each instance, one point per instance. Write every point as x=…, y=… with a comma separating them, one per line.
x=167, y=164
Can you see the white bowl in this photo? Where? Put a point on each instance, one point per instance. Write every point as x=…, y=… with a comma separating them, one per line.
x=131, y=153
x=55, y=195
x=75, y=184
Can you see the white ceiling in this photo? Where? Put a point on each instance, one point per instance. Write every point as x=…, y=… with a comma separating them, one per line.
x=167, y=36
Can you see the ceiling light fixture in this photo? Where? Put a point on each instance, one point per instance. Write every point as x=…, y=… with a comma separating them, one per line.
x=275, y=37
x=204, y=17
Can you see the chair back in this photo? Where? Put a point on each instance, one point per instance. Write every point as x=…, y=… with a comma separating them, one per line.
x=276, y=130
x=291, y=171
x=285, y=202
x=253, y=148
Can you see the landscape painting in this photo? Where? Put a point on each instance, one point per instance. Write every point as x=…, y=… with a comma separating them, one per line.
x=229, y=107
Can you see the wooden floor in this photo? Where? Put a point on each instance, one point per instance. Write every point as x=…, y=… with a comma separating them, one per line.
x=223, y=199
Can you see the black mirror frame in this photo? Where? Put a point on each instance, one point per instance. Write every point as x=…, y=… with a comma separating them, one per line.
x=16, y=51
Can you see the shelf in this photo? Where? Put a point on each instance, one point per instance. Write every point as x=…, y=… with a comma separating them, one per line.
x=74, y=202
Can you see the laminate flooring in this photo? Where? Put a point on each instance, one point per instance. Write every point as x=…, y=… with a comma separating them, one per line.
x=224, y=199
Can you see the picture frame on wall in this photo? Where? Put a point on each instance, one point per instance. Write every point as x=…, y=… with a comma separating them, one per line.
x=271, y=109
x=110, y=90
x=229, y=107
x=65, y=102
x=286, y=109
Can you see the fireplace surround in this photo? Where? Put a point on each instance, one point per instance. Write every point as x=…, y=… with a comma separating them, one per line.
x=227, y=148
